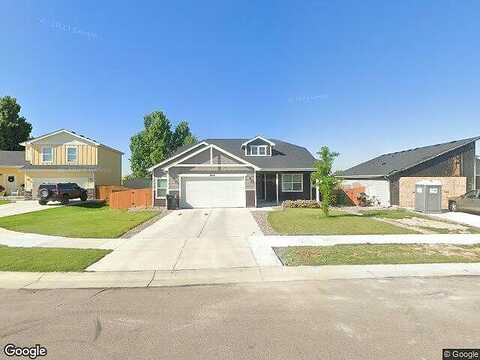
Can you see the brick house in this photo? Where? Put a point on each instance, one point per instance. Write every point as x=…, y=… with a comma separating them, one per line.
x=391, y=178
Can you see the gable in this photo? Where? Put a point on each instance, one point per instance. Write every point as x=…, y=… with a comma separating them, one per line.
x=62, y=138
x=212, y=156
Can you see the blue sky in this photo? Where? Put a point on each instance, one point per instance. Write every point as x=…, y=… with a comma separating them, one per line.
x=363, y=77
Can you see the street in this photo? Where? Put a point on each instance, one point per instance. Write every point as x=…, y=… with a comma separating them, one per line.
x=404, y=318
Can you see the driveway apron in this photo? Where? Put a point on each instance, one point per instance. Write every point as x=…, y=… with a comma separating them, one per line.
x=187, y=239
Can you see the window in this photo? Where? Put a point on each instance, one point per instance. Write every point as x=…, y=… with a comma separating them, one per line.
x=292, y=182
x=71, y=154
x=161, y=188
x=47, y=154
x=258, y=150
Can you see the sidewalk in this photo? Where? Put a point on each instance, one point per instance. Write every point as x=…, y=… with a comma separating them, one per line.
x=143, y=279
x=18, y=239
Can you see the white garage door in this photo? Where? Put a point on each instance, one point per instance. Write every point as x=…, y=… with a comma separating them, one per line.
x=81, y=181
x=212, y=192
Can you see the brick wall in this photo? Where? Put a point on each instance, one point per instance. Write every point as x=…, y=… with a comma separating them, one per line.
x=451, y=186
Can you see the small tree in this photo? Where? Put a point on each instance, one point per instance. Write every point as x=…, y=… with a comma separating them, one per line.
x=324, y=178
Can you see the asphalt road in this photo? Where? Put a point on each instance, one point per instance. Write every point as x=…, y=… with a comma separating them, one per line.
x=409, y=318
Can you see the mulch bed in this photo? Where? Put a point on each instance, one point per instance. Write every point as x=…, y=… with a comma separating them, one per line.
x=261, y=219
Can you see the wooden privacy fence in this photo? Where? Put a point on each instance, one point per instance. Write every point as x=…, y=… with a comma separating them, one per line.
x=132, y=198
x=103, y=192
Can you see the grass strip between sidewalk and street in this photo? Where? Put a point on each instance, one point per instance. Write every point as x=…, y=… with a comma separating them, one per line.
x=369, y=254
x=4, y=202
x=312, y=222
x=90, y=220
x=48, y=259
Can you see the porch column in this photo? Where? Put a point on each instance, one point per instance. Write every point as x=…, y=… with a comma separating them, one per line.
x=276, y=182
x=264, y=187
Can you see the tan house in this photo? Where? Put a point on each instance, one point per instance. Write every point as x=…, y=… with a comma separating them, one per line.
x=62, y=156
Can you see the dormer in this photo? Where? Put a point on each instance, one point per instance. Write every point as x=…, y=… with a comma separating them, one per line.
x=258, y=146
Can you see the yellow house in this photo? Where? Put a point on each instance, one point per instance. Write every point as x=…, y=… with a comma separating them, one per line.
x=63, y=156
x=12, y=175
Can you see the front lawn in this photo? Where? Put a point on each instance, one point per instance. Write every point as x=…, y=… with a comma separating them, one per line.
x=313, y=222
x=3, y=202
x=378, y=254
x=48, y=259
x=89, y=220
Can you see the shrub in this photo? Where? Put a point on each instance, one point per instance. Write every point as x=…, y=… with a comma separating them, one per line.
x=310, y=204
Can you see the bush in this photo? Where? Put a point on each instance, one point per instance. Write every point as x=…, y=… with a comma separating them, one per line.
x=308, y=204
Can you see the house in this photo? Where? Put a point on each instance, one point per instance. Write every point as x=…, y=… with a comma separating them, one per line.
x=478, y=173
x=391, y=178
x=234, y=173
x=11, y=171
x=60, y=156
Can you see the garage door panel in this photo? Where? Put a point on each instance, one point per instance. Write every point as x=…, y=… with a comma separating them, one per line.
x=212, y=191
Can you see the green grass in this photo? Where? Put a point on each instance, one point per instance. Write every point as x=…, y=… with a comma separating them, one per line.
x=48, y=259
x=3, y=202
x=377, y=254
x=313, y=222
x=83, y=221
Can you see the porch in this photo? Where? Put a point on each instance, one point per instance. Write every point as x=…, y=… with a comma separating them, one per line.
x=274, y=187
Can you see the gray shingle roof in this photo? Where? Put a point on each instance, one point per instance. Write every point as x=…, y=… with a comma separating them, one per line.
x=12, y=158
x=391, y=163
x=285, y=155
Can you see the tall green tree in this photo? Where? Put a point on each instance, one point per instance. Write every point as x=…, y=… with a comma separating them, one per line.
x=156, y=142
x=324, y=178
x=14, y=128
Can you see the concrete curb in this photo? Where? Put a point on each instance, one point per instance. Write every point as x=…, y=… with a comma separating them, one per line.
x=143, y=279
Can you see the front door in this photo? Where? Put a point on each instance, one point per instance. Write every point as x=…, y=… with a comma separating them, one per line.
x=10, y=184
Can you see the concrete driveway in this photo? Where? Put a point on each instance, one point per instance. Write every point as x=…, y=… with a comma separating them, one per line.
x=460, y=217
x=187, y=239
x=21, y=207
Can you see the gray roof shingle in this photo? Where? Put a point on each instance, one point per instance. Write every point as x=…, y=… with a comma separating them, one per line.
x=12, y=158
x=285, y=155
x=391, y=163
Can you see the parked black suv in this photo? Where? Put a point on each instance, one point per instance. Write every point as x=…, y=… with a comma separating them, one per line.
x=62, y=192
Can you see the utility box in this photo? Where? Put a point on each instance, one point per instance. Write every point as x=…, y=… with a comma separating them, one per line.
x=428, y=196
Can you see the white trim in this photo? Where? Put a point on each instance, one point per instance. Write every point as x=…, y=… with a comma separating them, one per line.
x=207, y=148
x=156, y=188
x=41, y=154
x=276, y=183
x=153, y=190
x=258, y=150
x=181, y=176
x=58, y=132
x=258, y=137
x=175, y=156
x=292, y=174
x=212, y=165
x=287, y=169
x=76, y=154
x=61, y=170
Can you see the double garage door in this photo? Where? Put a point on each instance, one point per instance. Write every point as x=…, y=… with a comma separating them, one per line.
x=212, y=191
x=36, y=182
